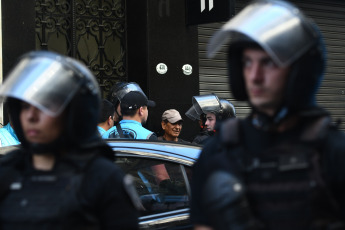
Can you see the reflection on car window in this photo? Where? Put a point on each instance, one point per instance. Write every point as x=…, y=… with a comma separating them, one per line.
x=160, y=185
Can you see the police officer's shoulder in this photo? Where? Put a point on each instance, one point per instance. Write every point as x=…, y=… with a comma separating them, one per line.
x=212, y=146
x=229, y=131
x=314, y=124
x=335, y=137
x=227, y=134
x=153, y=136
x=201, y=138
x=103, y=164
x=211, y=143
x=12, y=157
x=101, y=171
x=109, y=132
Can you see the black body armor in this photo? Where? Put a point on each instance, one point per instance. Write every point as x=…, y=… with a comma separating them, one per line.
x=283, y=183
x=46, y=199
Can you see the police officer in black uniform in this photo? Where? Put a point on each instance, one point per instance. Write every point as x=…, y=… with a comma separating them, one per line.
x=210, y=111
x=63, y=175
x=283, y=166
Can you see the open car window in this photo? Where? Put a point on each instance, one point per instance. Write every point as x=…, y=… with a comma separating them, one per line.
x=161, y=185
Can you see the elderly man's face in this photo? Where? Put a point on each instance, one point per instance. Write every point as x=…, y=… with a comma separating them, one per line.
x=265, y=81
x=172, y=130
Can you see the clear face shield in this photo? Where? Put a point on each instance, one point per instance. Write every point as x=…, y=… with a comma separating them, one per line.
x=278, y=27
x=192, y=114
x=45, y=80
x=206, y=104
x=202, y=105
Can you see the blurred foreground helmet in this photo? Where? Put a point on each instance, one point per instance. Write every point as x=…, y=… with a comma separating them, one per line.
x=289, y=38
x=54, y=83
x=210, y=104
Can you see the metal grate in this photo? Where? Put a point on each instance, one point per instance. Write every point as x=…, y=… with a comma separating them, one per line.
x=92, y=31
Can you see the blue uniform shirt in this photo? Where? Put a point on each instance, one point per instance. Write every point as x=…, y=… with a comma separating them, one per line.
x=131, y=129
x=101, y=130
x=8, y=136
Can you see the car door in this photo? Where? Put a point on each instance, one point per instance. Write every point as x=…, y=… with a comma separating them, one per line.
x=163, y=187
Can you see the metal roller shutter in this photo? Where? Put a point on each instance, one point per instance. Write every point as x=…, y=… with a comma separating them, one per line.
x=329, y=15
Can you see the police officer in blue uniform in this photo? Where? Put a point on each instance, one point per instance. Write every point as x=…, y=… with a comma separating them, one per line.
x=134, y=108
x=8, y=136
x=283, y=166
x=107, y=117
x=63, y=175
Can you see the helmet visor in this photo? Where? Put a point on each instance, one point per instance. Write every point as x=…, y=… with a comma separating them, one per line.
x=192, y=114
x=271, y=24
x=206, y=103
x=43, y=82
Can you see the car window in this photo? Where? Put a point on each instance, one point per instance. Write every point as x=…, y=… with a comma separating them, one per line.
x=161, y=185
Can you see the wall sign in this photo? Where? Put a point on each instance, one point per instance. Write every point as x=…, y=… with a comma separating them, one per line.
x=187, y=69
x=162, y=68
x=208, y=11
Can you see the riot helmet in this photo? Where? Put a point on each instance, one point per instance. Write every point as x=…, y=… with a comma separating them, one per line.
x=123, y=88
x=120, y=89
x=54, y=84
x=287, y=36
x=210, y=103
x=227, y=108
x=113, y=96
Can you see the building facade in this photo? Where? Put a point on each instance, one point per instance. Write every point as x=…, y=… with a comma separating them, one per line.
x=151, y=43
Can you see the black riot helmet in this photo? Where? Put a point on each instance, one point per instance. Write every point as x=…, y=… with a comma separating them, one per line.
x=113, y=96
x=210, y=103
x=289, y=38
x=121, y=89
x=54, y=84
x=228, y=109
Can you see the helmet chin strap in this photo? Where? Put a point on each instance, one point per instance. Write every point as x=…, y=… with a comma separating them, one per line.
x=119, y=116
x=266, y=122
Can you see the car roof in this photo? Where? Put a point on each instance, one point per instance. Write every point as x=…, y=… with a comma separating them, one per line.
x=184, y=153
x=165, y=150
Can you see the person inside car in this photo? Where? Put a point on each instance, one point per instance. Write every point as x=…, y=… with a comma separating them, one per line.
x=63, y=175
